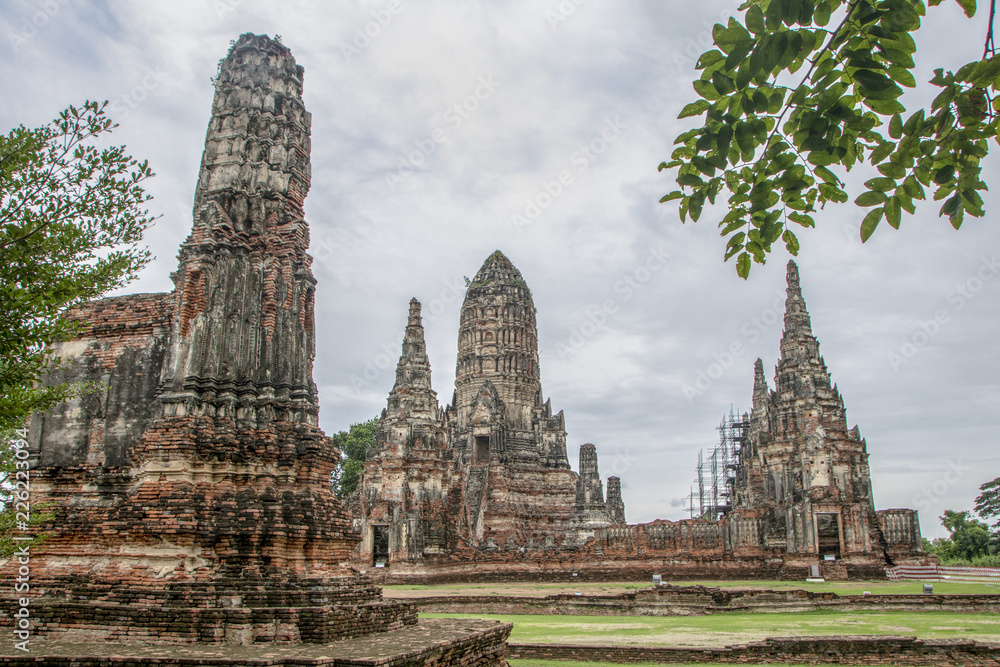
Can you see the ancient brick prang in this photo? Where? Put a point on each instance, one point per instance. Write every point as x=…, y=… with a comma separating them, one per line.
x=199, y=480
x=454, y=499
x=590, y=506
x=802, y=471
x=616, y=506
x=489, y=472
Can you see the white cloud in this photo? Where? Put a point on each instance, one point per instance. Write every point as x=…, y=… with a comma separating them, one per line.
x=557, y=85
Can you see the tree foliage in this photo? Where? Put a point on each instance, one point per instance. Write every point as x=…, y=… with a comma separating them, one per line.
x=17, y=513
x=779, y=141
x=71, y=219
x=988, y=503
x=969, y=540
x=356, y=444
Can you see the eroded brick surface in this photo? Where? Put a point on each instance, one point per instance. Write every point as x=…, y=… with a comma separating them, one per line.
x=481, y=490
x=192, y=498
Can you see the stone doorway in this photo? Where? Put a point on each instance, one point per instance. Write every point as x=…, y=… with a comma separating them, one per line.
x=380, y=546
x=482, y=454
x=828, y=534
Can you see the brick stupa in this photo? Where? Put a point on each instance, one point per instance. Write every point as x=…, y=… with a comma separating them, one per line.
x=192, y=495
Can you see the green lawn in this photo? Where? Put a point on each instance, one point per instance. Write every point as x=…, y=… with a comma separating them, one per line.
x=568, y=663
x=614, y=588
x=720, y=630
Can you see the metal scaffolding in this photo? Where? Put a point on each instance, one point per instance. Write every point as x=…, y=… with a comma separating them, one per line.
x=717, y=473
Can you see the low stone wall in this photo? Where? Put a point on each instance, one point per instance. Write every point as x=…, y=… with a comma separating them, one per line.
x=848, y=650
x=699, y=600
x=433, y=642
x=483, y=566
x=104, y=621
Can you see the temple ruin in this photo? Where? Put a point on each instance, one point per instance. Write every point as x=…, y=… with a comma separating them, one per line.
x=482, y=489
x=192, y=498
x=488, y=472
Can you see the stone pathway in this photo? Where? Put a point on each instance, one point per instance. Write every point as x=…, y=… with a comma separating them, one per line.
x=403, y=646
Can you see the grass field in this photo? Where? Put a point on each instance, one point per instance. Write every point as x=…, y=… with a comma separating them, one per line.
x=566, y=663
x=614, y=588
x=720, y=630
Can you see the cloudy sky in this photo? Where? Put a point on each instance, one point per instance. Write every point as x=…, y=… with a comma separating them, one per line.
x=441, y=132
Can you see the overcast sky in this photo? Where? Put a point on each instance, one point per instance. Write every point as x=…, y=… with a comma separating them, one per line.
x=437, y=124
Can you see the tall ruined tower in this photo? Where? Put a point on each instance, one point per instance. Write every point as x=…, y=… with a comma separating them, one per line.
x=590, y=506
x=489, y=472
x=802, y=467
x=616, y=506
x=498, y=393
x=244, y=289
x=212, y=494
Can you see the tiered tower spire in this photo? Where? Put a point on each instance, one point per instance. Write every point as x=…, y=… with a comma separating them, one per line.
x=498, y=340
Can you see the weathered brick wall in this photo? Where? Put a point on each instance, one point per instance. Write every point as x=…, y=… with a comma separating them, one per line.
x=849, y=650
x=165, y=624
x=203, y=463
x=121, y=346
x=439, y=643
x=698, y=600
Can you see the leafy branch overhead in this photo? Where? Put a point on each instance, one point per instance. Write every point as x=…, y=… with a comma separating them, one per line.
x=803, y=89
x=71, y=221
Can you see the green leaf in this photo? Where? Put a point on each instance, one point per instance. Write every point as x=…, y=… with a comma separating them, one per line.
x=695, y=108
x=902, y=76
x=827, y=175
x=968, y=6
x=791, y=243
x=738, y=52
x=727, y=37
x=895, y=126
x=736, y=240
x=871, y=198
x=870, y=222
x=709, y=58
x=892, y=170
x=833, y=193
x=944, y=174
x=722, y=83
x=670, y=196
x=732, y=227
x=880, y=184
x=706, y=90
x=882, y=151
x=985, y=72
x=743, y=266
x=893, y=214
x=755, y=20
x=872, y=81
x=822, y=14
x=951, y=207
x=885, y=107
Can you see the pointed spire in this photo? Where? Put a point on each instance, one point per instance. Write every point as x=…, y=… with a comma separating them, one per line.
x=796, y=316
x=412, y=391
x=760, y=388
